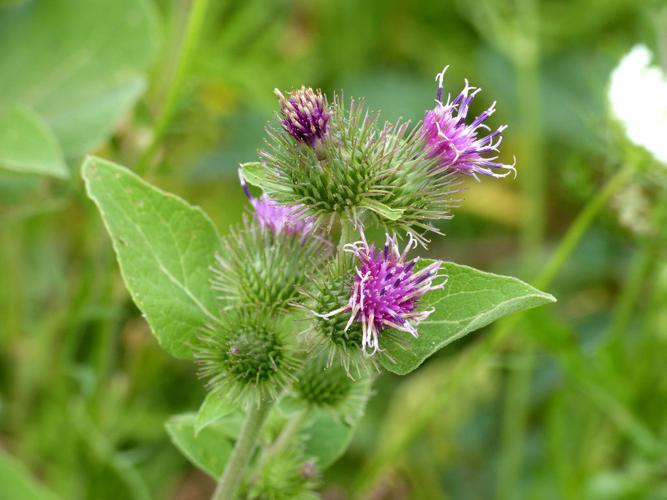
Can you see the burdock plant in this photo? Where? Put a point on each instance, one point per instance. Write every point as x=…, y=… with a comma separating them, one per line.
x=293, y=314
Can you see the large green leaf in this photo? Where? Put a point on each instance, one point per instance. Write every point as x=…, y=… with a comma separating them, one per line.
x=16, y=482
x=208, y=449
x=327, y=432
x=28, y=145
x=164, y=247
x=470, y=300
x=326, y=437
x=78, y=65
x=215, y=406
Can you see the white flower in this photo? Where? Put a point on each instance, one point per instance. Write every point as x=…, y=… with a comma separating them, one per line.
x=638, y=99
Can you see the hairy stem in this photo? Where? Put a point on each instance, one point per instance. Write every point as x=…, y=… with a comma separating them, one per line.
x=190, y=39
x=284, y=439
x=288, y=433
x=243, y=449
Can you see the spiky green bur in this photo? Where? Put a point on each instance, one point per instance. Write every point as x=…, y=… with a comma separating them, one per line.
x=250, y=357
x=363, y=168
x=258, y=268
x=285, y=476
x=333, y=295
x=338, y=342
x=323, y=386
x=329, y=387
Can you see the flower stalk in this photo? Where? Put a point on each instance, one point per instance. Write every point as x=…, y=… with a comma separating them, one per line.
x=243, y=450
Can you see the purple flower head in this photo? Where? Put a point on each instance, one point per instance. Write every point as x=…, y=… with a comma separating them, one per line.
x=278, y=217
x=386, y=290
x=304, y=115
x=458, y=144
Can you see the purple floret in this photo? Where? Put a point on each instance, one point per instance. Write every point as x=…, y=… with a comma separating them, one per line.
x=456, y=143
x=304, y=115
x=279, y=217
x=386, y=290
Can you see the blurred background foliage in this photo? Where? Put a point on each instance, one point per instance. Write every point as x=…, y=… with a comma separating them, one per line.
x=572, y=404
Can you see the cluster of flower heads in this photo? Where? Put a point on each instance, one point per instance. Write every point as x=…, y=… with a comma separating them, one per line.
x=385, y=287
x=457, y=145
x=338, y=163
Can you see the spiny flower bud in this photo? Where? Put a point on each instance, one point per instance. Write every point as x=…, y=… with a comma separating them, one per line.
x=259, y=268
x=320, y=385
x=249, y=356
x=339, y=345
x=304, y=115
x=330, y=387
x=386, y=290
x=285, y=476
x=456, y=143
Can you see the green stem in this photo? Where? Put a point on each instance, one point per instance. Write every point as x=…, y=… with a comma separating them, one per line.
x=243, y=449
x=640, y=270
x=526, y=55
x=578, y=227
x=187, y=49
x=514, y=422
x=526, y=58
x=287, y=434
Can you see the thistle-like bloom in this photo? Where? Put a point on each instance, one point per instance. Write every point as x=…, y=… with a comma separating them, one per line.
x=638, y=99
x=304, y=115
x=458, y=144
x=386, y=290
x=278, y=217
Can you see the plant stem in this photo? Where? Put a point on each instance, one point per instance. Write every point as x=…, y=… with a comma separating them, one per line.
x=577, y=229
x=640, y=270
x=526, y=59
x=190, y=39
x=243, y=449
x=285, y=437
x=287, y=434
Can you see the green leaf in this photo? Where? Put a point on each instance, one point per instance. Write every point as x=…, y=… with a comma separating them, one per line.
x=209, y=449
x=470, y=300
x=258, y=175
x=214, y=407
x=327, y=432
x=392, y=214
x=27, y=145
x=290, y=405
x=16, y=483
x=326, y=437
x=78, y=65
x=164, y=247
